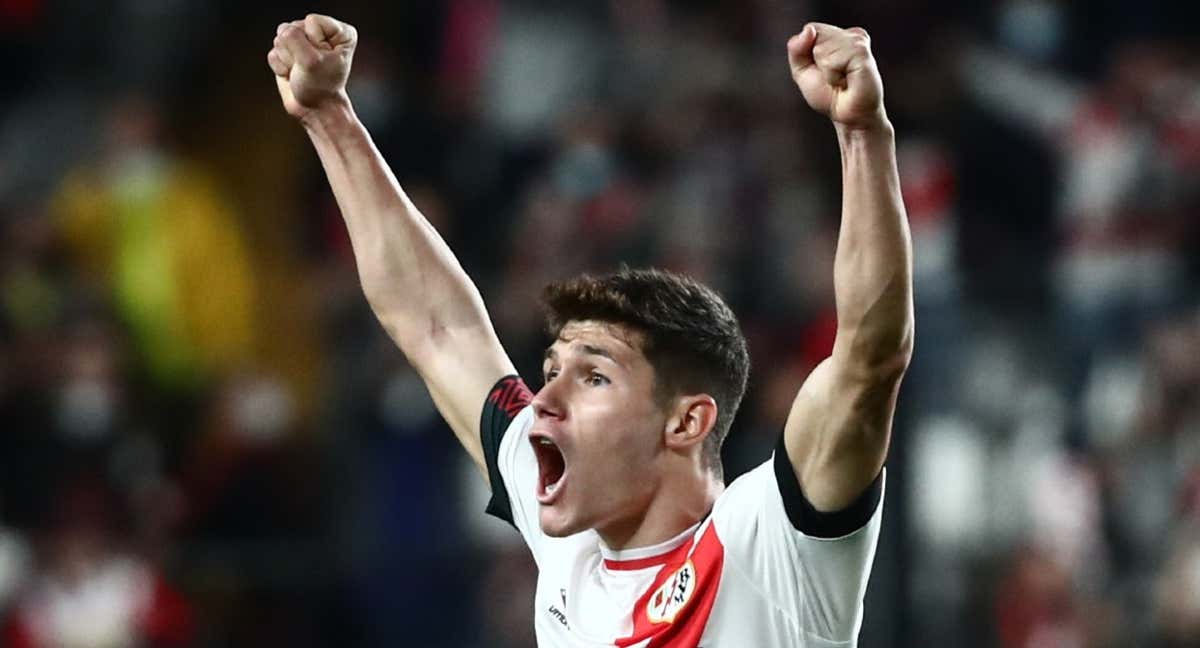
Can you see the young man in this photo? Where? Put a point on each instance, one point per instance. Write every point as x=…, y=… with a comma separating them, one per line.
x=611, y=472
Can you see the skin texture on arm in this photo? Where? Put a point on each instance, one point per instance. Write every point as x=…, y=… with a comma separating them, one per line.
x=414, y=284
x=838, y=429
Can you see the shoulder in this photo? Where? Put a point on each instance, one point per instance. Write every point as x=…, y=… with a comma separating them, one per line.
x=504, y=404
x=505, y=408
x=770, y=494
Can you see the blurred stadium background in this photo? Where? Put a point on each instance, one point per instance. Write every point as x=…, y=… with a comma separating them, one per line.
x=208, y=441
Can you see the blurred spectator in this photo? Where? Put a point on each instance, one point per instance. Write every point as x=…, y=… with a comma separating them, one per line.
x=1177, y=604
x=154, y=232
x=1171, y=408
x=14, y=566
x=87, y=591
x=1171, y=397
x=1122, y=214
x=238, y=475
x=1036, y=607
x=1177, y=590
x=89, y=407
x=31, y=287
x=542, y=61
x=929, y=182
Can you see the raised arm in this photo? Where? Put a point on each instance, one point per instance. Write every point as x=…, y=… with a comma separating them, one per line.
x=415, y=286
x=837, y=431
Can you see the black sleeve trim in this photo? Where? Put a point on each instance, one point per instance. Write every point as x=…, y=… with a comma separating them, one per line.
x=810, y=521
x=506, y=399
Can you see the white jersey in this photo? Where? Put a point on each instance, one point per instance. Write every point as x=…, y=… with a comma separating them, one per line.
x=764, y=569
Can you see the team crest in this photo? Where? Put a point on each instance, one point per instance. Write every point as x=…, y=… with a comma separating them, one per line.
x=673, y=595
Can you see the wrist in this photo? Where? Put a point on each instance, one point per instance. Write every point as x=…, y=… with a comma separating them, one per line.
x=879, y=129
x=330, y=114
x=866, y=136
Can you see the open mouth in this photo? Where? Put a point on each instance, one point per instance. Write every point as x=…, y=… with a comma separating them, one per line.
x=551, y=468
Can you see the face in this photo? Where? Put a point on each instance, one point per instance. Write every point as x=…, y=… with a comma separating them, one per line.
x=598, y=431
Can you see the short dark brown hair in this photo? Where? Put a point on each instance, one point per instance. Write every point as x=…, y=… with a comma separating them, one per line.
x=690, y=336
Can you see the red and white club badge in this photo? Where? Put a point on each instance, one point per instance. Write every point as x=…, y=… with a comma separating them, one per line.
x=673, y=595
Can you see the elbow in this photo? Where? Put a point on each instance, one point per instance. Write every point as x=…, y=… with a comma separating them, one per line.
x=890, y=368
x=882, y=358
x=903, y=354
x=897, y=353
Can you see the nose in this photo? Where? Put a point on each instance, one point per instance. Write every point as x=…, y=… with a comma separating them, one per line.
x=547, y=403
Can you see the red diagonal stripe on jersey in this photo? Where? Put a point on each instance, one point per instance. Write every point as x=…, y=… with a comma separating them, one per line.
x=687, y=625
x=511, y=395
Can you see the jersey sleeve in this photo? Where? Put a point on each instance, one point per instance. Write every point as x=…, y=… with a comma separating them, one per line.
x=511, y=464
x=814, y=565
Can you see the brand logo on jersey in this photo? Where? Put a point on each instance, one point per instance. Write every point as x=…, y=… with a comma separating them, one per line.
x=558, y=614
x=673, y=595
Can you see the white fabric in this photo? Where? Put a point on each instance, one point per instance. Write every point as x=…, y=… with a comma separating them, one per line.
x=777, y=587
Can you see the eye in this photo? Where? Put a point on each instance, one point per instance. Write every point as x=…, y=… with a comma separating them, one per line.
x=550, y=375
x=596, y=380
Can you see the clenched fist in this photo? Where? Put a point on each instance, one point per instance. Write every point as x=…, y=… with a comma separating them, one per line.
x=837, y=74
x=311, y=61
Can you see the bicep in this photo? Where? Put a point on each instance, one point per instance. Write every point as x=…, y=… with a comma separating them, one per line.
x=838, y=430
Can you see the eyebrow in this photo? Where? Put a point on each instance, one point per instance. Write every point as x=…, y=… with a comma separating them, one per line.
x=588, y=349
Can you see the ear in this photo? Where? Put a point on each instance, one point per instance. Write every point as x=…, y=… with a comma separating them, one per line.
x=694, y=417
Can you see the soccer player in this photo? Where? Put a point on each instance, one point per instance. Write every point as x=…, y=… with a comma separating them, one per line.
x=611, y=471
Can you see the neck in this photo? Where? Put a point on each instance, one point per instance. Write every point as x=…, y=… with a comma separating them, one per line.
x=673, y=508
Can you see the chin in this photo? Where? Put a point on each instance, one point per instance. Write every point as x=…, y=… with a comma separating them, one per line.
x=556, y=525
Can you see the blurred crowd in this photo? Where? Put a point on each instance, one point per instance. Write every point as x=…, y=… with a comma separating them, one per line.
x=206, y=439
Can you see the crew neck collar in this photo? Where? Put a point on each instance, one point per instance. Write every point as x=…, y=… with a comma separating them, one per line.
x=652, y=556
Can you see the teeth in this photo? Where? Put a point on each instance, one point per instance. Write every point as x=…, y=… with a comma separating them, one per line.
x=545, y=442
x=550, y=488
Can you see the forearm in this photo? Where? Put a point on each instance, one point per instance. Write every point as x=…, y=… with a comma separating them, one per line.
x=873, y=265
x=411, y=279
